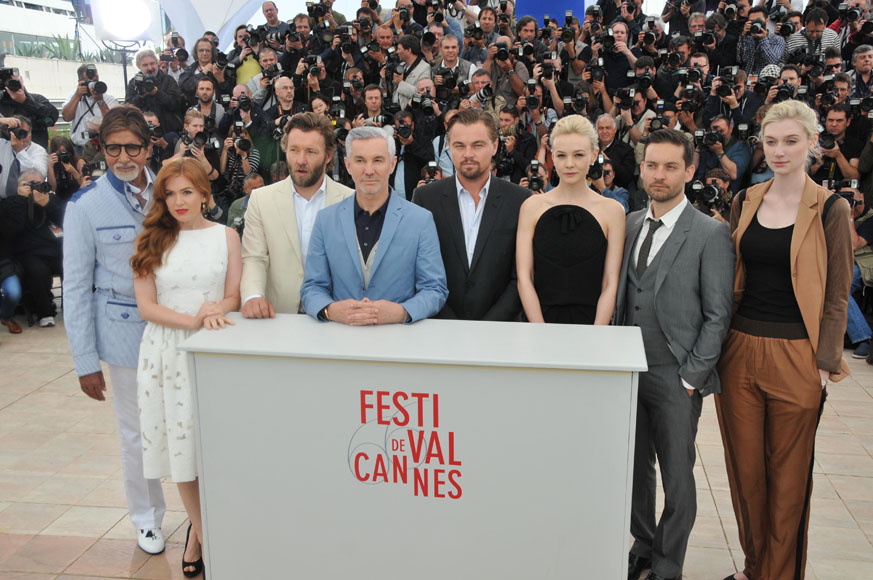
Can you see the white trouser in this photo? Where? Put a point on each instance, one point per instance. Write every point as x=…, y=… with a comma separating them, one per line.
x=145, y=498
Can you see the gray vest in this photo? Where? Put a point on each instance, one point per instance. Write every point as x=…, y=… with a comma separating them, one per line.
x=641, y=312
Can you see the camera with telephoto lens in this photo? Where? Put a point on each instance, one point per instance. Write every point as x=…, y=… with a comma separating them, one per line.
x=649, y=37
x=6, y=133
x=762, y=86
x=94, y=170
x=704, y=38
x=826, y=140
x=706, y=194
x=829, y=99
x=644, y=81
x=482, y=94
x=316, y=10
x=244, y=103
x=659, y=122
x=674, y=59
x=535, y=183
x=626, y=98
x=257, y=34
x=730, y=9
x=503, y=161
x=155, y=131
x=423, y=102
x=784, y=92
x=6, y=80
x=786, y=29
x=848, y=14
x=607, y=40
x=568, y=35
x=474, y=31
x=777, y=13
x=272, y=71
x=749, y=134
x=710, y=138
x=758, y=26
x=142, y=84
x=694, y=75
x=382, y=120
x=595, y=170
x=597, y=69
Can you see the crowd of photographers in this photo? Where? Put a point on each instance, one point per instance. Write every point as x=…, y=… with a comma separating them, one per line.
x=707, y=68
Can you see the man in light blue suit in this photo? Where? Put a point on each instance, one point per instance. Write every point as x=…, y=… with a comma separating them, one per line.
x=374, y=258
x=100, y=314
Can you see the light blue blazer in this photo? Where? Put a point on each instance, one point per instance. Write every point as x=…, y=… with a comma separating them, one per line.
x=100, y=227
x=407, y=269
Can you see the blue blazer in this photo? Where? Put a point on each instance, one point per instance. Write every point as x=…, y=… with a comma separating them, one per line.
x=407, y=268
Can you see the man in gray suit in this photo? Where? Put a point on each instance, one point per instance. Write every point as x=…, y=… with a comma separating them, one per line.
x=677, y=281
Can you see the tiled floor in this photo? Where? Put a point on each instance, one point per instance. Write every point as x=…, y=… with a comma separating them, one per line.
x=63, y=515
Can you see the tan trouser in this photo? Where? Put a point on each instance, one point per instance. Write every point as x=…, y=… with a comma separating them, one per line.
x=768, y=412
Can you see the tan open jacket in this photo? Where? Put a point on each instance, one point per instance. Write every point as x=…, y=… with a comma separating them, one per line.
x=821, y=267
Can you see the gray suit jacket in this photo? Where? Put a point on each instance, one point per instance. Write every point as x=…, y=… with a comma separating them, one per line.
x=693, y=292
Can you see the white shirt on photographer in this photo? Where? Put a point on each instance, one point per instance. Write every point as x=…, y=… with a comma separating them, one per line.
x=85, y=110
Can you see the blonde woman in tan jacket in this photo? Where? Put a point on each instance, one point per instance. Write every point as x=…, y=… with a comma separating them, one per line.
x=793, y=271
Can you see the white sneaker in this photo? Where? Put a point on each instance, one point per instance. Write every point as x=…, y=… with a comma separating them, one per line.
x=47, y=321
x=151, y=541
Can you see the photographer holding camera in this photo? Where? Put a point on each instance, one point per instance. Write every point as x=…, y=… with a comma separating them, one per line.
x=163, y=144
x=404, y=80
x=261, y=85
x=16, y=100
x=757, y=47
x=862, y=71
x=195, y=142
x=212, y=111
x=619, y=153
x=152, y=90
x=508, y=76
x=630, y=107
x=86, y=105
x=243, y=58
x=243, y=109
x=482, y=95
x=617, y=57
x=840, y=154
x=65, y=174
x=814, y=38
x=728, y=96
x=412, y=155
x=518, y=147
x=719, y=148
x=724, y=51
x=677, y=13
x=210, y=64
x=31, y=214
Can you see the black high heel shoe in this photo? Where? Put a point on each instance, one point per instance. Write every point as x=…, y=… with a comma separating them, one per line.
x=197, y=565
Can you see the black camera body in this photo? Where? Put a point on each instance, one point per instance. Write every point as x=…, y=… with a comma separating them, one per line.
x=826, y=140
x=244, y=102
x=6, y=80
x=626, y=98
x=707, y=194
x=758, y=26
x=534, y=182
x=143, y=84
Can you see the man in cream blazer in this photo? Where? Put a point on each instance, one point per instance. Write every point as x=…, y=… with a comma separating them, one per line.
x=280, y=218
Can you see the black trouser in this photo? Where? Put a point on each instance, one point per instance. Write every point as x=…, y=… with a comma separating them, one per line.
x=37, y=282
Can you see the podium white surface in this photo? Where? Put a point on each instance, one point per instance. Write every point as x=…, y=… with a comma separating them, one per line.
x=515, y=441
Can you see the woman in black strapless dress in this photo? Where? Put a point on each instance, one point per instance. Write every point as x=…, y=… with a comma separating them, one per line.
x=570, y=240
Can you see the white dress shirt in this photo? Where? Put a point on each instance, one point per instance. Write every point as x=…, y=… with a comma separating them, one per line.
x=7, y=158
x=668, y=221
x=471, y=215
x=34, y=156
x=305, y=211
x=146, y=193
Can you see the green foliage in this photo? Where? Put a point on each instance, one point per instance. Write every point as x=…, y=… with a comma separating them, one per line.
x=65, y=48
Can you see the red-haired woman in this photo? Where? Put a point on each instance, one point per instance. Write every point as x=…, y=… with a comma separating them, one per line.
x=186, y=277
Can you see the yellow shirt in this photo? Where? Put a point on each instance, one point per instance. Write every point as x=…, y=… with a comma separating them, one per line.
x=247, y=70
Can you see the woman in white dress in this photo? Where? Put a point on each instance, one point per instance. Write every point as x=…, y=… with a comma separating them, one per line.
x=187, y=272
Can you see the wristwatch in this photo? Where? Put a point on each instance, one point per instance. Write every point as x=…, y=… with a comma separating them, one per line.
x=510, y=72
x=719, y=156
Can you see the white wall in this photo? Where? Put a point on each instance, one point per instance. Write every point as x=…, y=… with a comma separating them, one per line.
x=56, y=79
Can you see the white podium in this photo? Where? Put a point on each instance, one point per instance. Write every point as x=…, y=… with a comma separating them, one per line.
x=437, y=450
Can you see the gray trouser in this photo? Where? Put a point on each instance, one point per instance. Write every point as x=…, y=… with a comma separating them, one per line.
x=666, y=427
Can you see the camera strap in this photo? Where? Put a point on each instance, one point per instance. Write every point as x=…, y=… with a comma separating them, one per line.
x=409, y=69
x=90, y=105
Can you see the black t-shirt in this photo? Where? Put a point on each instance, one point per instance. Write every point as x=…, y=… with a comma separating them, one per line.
x=830, y=169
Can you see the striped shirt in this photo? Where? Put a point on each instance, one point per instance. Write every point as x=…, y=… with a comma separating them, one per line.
x=798, y=41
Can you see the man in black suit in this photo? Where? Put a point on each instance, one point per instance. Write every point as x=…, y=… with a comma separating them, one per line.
x=476, y=217
x=620, y=153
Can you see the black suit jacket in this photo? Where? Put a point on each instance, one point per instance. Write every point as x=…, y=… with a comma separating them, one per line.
x=487, y=289
x=623, y=161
